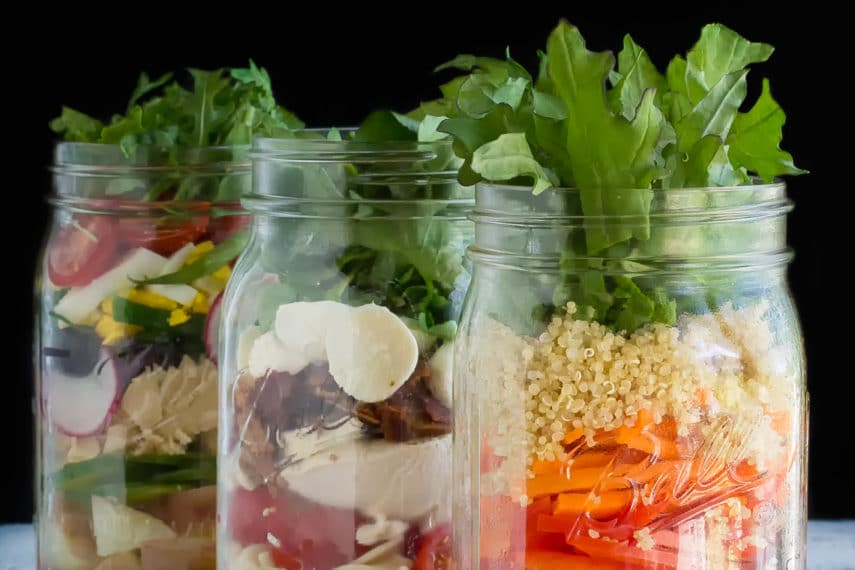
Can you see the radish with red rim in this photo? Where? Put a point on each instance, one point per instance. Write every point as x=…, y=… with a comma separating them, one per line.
x=212, y=329
x=82, y=405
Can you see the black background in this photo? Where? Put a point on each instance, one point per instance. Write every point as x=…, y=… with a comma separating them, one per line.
x=333, y=68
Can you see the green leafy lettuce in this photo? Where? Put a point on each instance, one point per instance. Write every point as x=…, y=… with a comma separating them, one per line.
x=618, y=131
x=376, y=229
x=223, y=107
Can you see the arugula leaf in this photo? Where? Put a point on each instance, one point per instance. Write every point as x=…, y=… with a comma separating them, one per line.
x=755, y=139
x=719, y=52
x=714, y=113
x=382, y=126
x=146, y=86
x=124, y=131
x=606, y=152
x=76, y=126
x=636, y=74
x=509, y=157
x=225, y=107
x=618, y=145
x=254, y=75
x=707, y=165
x=221, y=255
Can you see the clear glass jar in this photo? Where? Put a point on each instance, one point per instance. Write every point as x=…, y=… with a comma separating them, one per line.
x=335, y=427
x=126, y=373
x=676, y=436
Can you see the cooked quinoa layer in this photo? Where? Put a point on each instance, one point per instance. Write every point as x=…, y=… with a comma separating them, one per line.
x=718, y=373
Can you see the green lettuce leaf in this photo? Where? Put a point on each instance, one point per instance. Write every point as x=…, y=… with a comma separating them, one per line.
x=755, y=139
x=509, y=157
x=719, y=52
x=607, y=153
x=636, y=74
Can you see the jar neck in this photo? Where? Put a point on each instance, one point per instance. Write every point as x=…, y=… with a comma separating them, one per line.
x=729, y=229
x=106, y=177
x=342, y=171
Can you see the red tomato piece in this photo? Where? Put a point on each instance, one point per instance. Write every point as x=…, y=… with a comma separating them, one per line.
x=435, y=550
x=223, y=227
x=162, y=235
x=82, y=251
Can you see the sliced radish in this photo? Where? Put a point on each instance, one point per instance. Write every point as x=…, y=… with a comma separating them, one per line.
x=212, y=329
x=82, y=405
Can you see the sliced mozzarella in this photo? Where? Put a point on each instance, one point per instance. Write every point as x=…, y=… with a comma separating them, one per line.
x=303, y=326
x=301, y=444
x=397, y=480
x=245, y=341
x=269, y=354
x=371, y=353
x=81, y=301
x=441, y=373
x=119, y=528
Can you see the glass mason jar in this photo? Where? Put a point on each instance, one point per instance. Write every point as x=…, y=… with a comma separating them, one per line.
x=639, y=406
x=335, y=434
x=126, y=370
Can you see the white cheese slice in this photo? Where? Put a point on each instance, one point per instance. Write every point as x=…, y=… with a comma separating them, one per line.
x=402, y=481
x=245, y=341
x=371, y=353
x=140, y=264
x=269, y=354
x=441, y=373
x=302, y=326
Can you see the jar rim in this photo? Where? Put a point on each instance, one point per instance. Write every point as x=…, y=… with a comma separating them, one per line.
x=338, y=209
x=323, y=150
x=510, y=204
x=99, y=159
x=142, y=208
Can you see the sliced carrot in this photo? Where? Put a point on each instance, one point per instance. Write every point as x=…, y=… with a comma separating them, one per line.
x=539, y=467
x=606, y=550
x=648, y=442
x=643, y=474
x=574, y=480
x=602, y=505
x=592, y=458
x=573, y=435
x=551, y=560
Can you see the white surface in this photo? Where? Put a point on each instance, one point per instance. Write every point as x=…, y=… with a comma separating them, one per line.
x=831, y=546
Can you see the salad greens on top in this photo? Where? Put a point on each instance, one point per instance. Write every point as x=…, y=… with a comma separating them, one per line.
x=617, y=134
x=225, y=107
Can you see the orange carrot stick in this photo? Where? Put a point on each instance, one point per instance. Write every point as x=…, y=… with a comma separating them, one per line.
x=591, y=458
x=606, y=550
x=574, y=480
x=551, y=560
x=603, y=505
x=573, y=435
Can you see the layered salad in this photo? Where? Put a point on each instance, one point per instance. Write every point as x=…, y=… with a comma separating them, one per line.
x=337, y=429
x=146, y=229
x=630, y=347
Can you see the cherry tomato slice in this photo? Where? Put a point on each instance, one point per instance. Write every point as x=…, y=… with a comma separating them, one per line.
x=82, y=251
x=223, y=227
x=435, y=550
x=162, y=235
